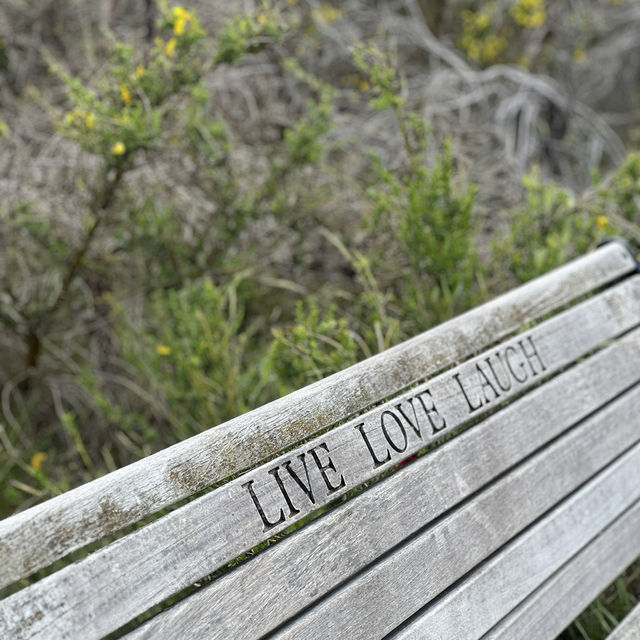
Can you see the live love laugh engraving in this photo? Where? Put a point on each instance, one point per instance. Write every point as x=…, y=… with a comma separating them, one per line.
x=384, y=437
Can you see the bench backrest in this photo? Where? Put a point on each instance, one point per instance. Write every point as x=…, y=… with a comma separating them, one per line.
x=479, y=534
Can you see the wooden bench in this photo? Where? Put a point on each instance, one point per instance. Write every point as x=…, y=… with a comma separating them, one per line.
x=526, y=509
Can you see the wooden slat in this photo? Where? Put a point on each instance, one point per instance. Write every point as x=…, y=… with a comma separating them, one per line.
x=471, y=608
x=549, y=609
x=629, y=628
x=387, y=594
x=107, y=504
x=205, y=534
x=327, y=553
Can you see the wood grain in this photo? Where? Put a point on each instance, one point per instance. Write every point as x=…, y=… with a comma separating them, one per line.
x=555, y=604
x=629, y=629
x=108, y=504
x=390, y=592
x=193, y=541
x=267, y=590
x=472, y=607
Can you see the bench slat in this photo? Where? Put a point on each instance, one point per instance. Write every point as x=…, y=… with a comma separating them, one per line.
x=629, y=628
x=112, y=502
x=560, y=600
x=430, y=486
x=388, y=593
x=193, y=541
x=473, y=607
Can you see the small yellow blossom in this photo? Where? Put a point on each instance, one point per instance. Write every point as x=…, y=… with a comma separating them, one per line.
x=140, y=71
x=530, y=14
x=579, y=55
x=37, y=460
x=118, y=149
x=180, y=13
x=170, y=49
x=261, y=19
x=524, y=62
x=125, y=94
x=482, y=21
x=179, y=26
x=363, y=85
x=327, y=14
x=163, y=350
x=90, y=120
x=602, y=222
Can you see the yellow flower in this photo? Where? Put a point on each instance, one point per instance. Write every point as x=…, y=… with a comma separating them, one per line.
x=125, y=94
x=118, y=149
x=363, y=85
x=523, y=61
x=482, y=21
x=90, y=120
x=327, y=14
x=140, y=71
x=179, y=13
x=262, y=19
x=163, y=350
x=179, y=26
x=170, y=49
x=602, y=222
x=579, y=55
x=37, y=460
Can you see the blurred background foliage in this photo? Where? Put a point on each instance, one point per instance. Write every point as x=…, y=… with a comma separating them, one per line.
x=207, y=206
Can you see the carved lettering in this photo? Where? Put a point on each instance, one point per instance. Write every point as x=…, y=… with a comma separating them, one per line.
x=472, y=407
x=485, y=384
x=533, y=353
x=377, y=462
x=512, y=365
x=403, y=434
x=302, y=479
x=415, y=425
x=305, y=487
x=507, y=353
x=265, y=521
x=323, y=468
x=275, y=473
x=505, y=386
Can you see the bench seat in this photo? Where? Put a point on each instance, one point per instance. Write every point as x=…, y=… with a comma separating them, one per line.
x=481, y=480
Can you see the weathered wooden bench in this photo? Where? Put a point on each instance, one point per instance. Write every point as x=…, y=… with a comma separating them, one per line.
x=525, y=510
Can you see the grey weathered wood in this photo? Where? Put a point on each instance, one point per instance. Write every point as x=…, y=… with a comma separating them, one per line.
x=549, y=609
x=391, y=591
x=308, y=564
x=196, y=539
x=471, y=608
x=107, y=504
x=629, y=628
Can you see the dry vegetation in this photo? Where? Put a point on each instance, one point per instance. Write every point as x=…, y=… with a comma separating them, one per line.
x=228, y=207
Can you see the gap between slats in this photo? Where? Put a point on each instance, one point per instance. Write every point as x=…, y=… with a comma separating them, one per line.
x=180, y=547
x=85, y=514
x=557, y=602
x=460, y=463
x=480, y=600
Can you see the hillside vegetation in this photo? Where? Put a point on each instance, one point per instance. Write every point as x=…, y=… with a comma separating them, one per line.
x=202, y=211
